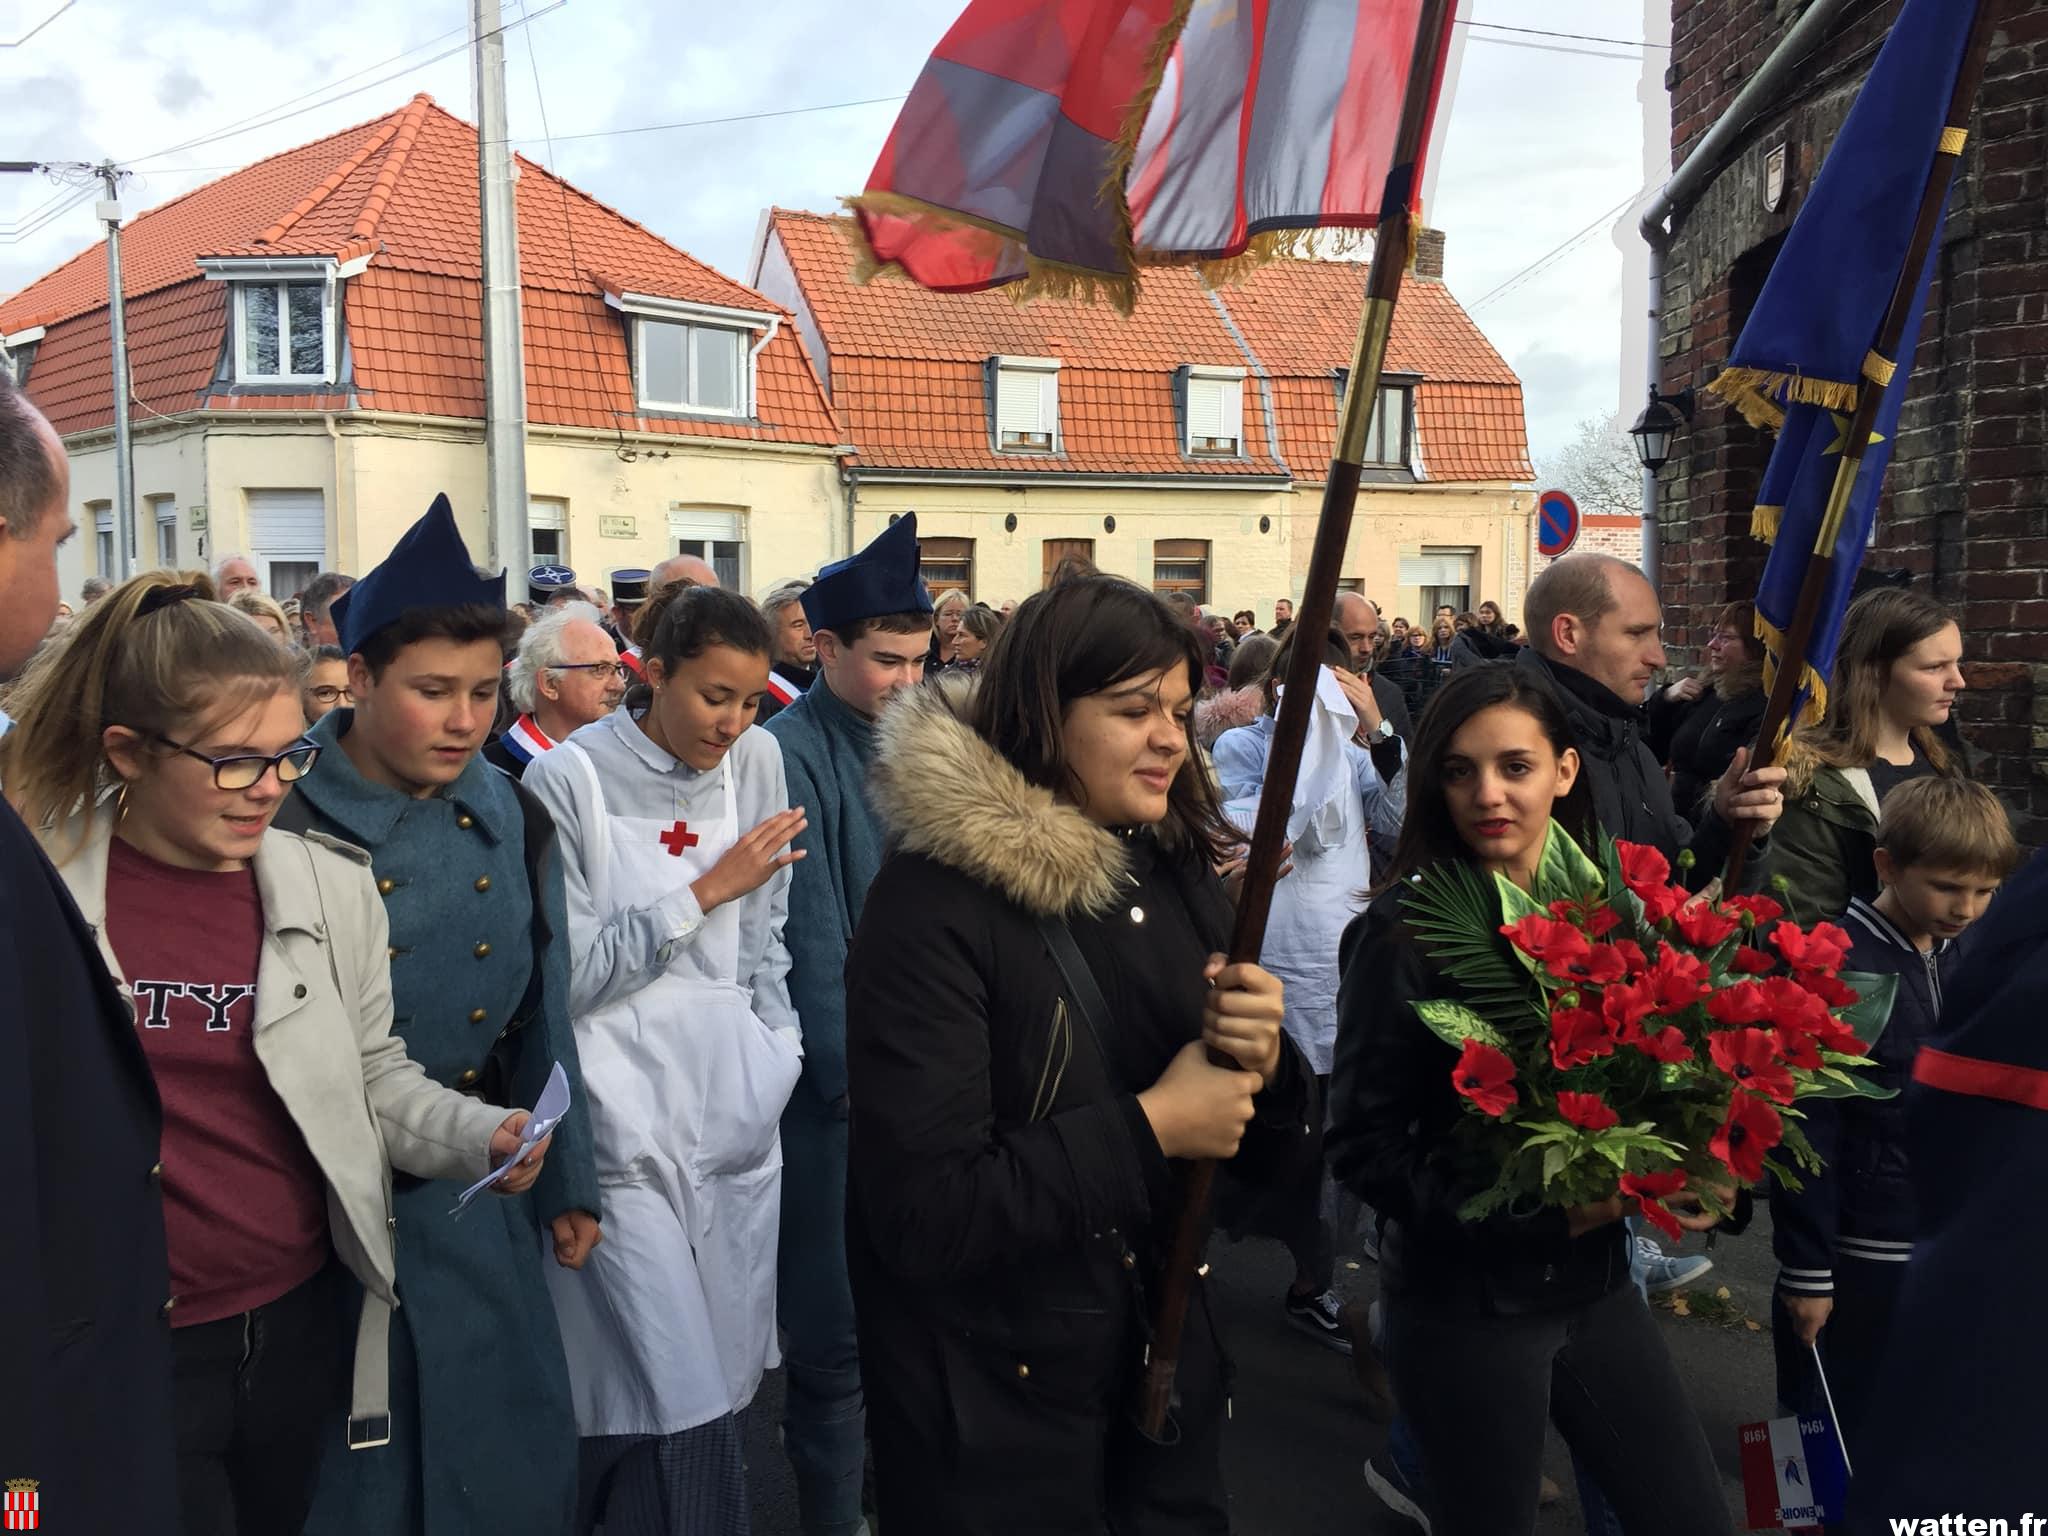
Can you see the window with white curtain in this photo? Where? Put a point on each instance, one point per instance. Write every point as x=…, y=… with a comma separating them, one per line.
x=164, y=514
x=690, y=367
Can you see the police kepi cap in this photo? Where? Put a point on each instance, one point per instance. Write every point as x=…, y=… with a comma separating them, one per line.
x=629, y=585
x=881, y=579
x=545, y=583
x=429, y=567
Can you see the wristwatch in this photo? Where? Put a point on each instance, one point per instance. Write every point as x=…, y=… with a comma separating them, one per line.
x=1380, y=734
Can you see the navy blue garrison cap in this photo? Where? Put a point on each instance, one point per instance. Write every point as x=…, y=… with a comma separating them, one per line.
x=429, y=567
x=881, y=579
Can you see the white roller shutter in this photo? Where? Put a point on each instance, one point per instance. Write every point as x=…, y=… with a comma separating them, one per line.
x=287, y=538
x=1437, y=568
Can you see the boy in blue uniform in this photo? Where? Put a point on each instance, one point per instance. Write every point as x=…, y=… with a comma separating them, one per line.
x=871, y=617
x=481, y=1433
x=1843, y=1240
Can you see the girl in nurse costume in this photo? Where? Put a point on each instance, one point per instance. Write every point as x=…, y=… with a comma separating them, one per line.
x=675, y=830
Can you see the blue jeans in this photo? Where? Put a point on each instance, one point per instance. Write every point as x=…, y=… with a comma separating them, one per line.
x=824, y=1420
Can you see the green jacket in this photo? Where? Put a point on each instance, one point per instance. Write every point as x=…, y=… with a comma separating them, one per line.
x=1824, y=844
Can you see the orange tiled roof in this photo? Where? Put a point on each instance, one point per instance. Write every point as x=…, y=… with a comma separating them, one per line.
x=401, y=189
x=905, y=367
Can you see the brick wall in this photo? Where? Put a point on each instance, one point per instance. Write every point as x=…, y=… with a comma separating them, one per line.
x=1966, y=507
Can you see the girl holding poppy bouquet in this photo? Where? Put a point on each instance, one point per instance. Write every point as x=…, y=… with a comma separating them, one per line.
x=1495, y=1322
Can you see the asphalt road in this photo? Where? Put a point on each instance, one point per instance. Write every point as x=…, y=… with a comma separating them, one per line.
x=1297, y=1436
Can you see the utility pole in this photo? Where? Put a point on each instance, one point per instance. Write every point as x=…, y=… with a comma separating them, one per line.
x=108, y=211
x=504, y=351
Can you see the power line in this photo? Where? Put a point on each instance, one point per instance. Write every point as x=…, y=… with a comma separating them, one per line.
x=32, y=31
x=1584, y=53
x=273, y=116
x=1557, y=252
x=713, y=122
x=1576, y=37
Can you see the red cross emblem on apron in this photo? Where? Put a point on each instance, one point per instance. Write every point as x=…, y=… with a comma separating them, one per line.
x=679, y=837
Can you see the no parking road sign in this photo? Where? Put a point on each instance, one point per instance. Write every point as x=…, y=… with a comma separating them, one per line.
x=1557, y=523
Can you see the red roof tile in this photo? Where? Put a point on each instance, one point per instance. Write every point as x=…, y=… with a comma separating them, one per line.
x=402, y=190
x=891, y=341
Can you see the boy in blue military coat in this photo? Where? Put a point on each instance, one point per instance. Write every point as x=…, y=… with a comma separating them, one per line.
x=482, y=1434
x=871, y=618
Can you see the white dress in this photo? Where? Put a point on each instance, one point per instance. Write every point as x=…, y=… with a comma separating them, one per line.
x=690, y=1051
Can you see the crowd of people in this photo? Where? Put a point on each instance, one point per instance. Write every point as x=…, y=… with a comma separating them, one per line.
x=878, y=941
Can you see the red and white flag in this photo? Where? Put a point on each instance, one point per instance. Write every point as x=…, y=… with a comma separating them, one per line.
x=1064, y=143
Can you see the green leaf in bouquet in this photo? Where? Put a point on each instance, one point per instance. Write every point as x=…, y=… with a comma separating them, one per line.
x=1555, y=1156
x=1795, y=1142
x=1564, y=873
x=1455, y=912
x=1454, y=1023
x=1490, y=1199
x=1873, y=1007
x=1836, y=1083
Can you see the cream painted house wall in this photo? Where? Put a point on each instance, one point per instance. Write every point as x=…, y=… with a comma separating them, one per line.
x=375, y=475
x=1494, y=522
x=1247, y=567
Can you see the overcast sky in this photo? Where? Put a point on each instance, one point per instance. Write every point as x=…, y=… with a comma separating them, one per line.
x=1541, y=144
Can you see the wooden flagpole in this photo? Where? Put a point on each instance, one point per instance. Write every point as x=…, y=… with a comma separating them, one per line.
x=1880, y=373
x=1392, y=242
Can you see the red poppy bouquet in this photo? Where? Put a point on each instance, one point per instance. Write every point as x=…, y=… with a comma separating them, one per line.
x=1632, y=1037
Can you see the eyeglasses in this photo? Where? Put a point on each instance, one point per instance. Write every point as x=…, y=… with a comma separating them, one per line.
x=245, y=770
x=601, y=668
x=327, y=693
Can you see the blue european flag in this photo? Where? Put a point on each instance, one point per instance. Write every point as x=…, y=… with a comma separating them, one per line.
x=1809, y=347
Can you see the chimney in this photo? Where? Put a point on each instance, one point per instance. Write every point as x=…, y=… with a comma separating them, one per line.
x=1429, y=254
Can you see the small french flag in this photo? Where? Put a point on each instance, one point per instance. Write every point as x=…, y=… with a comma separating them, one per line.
x=1793, y=1473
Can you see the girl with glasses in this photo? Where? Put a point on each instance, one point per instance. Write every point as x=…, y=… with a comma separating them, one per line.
x=152, y=753
x=324, y=687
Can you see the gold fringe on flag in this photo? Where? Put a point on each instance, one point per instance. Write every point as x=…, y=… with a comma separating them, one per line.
x=1755, y=392
x=1124, y=152
x=1815, y=709
x=1042, y=279
x=1764, y=521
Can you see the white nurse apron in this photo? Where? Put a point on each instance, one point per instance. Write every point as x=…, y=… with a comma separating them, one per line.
x=671, y=1321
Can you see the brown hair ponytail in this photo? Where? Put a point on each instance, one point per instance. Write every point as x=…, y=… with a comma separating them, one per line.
x=152, y=655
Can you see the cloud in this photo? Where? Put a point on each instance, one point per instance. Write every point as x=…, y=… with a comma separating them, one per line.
x=1539, y=143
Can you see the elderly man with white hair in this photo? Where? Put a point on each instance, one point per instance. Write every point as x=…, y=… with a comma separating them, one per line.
x=236, y=573
x=796, y=653
x=565, y=675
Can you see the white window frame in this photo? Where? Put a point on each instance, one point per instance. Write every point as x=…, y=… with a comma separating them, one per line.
x=241, y=273
x=645, y=308
x=102, y=537
x=1224, y=387
x=1018, y=370
x=18, y=352
x=163, y=512
x=547, y=514
x=704, y=527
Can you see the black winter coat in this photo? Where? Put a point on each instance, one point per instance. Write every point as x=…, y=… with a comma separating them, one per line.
x=1966, y=1343
x=1006, y=1198
x=1631, y=797
x=84, y=1334
x=1861, y=1205
x=1700, y=739
x=1392, y=1108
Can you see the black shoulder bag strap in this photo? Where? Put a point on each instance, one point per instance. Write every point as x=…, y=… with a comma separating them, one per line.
x=1080, y=980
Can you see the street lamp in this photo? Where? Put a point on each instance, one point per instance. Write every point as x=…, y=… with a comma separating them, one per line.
x=1659, y=423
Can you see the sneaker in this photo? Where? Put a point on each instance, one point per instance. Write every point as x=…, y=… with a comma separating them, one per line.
x=1384, y=1478
x=1663, y=1271
x=1322, y=1316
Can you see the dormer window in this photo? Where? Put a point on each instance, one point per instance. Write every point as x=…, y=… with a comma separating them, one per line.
x=1212, y=409
x=18, y=351
x=281, y=333
x=1026, y=399
x=692, y=367
x=1390, y=438
x=693, y=357
x=283, y=319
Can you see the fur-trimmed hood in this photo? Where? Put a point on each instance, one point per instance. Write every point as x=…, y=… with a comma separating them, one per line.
x=944, y=792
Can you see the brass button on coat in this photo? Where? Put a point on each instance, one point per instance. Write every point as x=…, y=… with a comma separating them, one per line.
x=1023, y=1371
x=477, y=1015
x=483, y=951
x=467, y=1077
x=164, y=1311
x=386, y=887
x=157, y=1173
x=483, y=882
x=465, y=822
